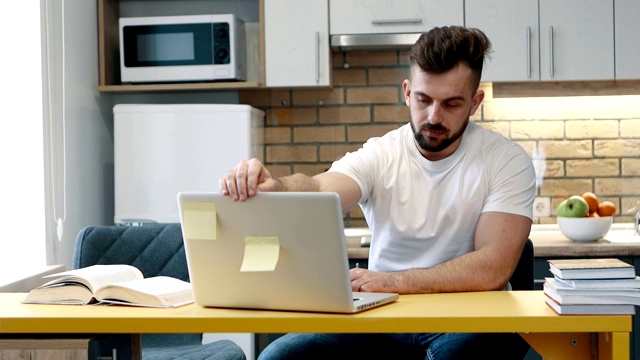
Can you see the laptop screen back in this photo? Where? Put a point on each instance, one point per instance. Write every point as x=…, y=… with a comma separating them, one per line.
x=281, y=251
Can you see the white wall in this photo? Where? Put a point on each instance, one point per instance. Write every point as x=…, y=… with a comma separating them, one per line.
x=79, y=171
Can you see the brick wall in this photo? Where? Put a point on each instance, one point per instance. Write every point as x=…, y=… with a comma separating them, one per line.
x=577, y=144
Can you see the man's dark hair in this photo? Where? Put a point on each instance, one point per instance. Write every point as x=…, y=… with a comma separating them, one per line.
x=442, y=48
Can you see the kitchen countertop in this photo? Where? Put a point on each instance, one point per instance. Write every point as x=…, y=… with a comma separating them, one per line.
x=547, y=242
x=620, y=241
x=357, y=242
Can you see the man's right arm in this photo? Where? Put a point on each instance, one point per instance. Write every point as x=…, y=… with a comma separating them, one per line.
x=251, y=176
x=246, y=179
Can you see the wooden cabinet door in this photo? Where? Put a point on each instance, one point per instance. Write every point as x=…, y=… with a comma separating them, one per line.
x=398, y=16
x=512, y=28
x=576, y=40
x=297, y=52
x=627, y=43
x=44, y=349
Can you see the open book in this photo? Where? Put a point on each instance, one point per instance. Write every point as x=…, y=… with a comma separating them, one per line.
x=115, y=284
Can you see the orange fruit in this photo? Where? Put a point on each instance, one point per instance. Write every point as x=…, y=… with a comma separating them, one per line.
x=592, y=200
x=594, y=214
x=606, y=208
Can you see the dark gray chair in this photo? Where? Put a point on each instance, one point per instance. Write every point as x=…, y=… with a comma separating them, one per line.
x=522, y=279
x=156, y=250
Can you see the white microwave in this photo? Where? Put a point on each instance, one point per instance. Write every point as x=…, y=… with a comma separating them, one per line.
x=187, y=48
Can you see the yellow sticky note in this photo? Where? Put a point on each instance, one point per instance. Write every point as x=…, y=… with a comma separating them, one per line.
x=260, y=253
x=199, y=221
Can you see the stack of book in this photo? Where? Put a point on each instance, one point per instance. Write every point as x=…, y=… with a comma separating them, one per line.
x=592, y=286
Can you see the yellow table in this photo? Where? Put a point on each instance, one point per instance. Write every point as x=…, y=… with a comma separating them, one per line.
x=524, y=312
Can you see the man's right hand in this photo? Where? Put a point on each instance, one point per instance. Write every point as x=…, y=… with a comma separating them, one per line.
x=246, y=179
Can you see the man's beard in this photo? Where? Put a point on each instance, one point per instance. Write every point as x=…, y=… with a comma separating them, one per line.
x=431, y=144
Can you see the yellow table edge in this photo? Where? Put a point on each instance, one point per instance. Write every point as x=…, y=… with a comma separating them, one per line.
x=523, y=312
x=499, y=311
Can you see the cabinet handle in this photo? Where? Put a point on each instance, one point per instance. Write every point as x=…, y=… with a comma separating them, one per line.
x=529, y=52
x=396, y=21
x=551, y=52
x=317, y=57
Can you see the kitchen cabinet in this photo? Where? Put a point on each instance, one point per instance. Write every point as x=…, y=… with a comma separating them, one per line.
x=512, y=27
x=73, y=348
x=297, y=52
x=576, y=40
x=546, y=40
x=627, y=43
x=109, y=12
x=382, y=16
x=43, y=349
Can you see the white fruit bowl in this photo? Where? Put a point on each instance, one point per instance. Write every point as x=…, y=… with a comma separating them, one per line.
x=585, y=228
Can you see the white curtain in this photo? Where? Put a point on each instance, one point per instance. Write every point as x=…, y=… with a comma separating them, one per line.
x=22, y=204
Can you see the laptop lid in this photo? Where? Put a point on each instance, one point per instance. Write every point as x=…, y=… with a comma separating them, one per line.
x=278, y=251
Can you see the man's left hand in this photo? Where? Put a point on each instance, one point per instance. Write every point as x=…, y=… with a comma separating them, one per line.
x=372, y=281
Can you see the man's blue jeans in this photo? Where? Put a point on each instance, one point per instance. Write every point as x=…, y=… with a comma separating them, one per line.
x=428, y=346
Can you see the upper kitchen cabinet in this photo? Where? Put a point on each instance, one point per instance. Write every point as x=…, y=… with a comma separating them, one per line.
x=576, y=40
x=512, y=28
x=297, y=52
x=546, y=40
x=110, y=11
x=627, y=40
x=399, y=16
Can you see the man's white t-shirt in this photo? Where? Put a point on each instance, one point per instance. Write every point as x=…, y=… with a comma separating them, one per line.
x=422, y=213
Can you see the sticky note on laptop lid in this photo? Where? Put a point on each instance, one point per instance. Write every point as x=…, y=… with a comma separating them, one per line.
x=199, y=220
x=261, y=253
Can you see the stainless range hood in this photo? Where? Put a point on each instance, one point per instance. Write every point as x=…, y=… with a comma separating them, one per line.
x=355, y=42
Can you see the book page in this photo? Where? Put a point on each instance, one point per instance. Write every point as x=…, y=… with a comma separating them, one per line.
x=60, y=294
x=153, y=291
x=97, y=276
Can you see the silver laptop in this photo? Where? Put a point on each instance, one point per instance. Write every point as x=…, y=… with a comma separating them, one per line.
x=276, y=251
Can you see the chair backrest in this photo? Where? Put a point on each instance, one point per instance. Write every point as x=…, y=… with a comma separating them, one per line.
x=155, y=249
x=522, y=277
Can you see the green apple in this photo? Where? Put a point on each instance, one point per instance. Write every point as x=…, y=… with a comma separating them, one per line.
x=574, y=206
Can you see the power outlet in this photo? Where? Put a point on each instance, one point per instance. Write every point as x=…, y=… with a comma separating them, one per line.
x=542, y=207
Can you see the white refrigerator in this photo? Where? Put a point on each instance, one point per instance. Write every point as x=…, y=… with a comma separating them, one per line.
x=160, y=150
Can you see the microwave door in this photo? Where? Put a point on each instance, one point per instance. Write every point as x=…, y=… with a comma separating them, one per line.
x=168, y=45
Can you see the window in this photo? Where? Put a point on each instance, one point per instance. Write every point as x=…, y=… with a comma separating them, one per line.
x=22, y=204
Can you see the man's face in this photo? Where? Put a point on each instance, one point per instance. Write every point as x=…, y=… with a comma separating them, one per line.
x=440, y=107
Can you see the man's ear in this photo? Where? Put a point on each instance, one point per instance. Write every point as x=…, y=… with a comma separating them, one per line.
x=476, y=101
x=406, y=90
